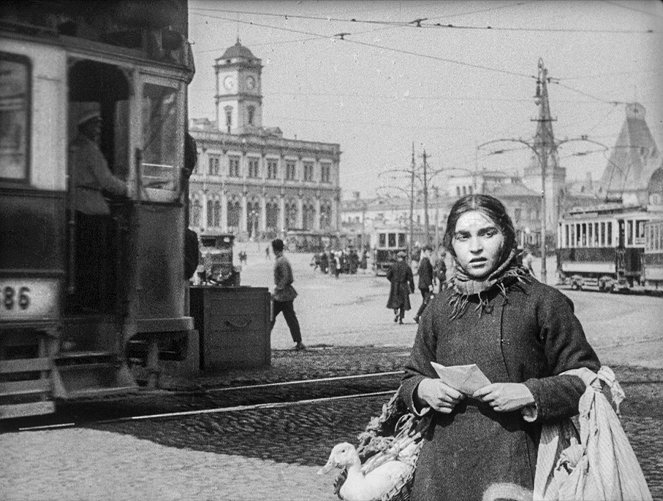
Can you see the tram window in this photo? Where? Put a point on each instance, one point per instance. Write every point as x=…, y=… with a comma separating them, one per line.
x=590, y=235
x=401, y=239
x=382, y=239
x=566, y=236
x=629, y=232
x=640, y=232
x=602, y=237
x=609, y=233
x=392, y=239
x=161, y=134
x=583, y=235
x=14, y=107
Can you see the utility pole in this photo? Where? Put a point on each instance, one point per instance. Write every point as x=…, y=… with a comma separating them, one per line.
x=411, y=203
x=426, y=221
x=545, y=141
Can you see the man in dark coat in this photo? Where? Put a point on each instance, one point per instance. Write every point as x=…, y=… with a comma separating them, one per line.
x=425, y=272
x=285, y=294
x=402, y=284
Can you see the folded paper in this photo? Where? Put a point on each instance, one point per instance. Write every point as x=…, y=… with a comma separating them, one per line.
x=465, y=378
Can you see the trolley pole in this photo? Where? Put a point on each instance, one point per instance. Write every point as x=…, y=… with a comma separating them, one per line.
x=411, y=204
x=426, y=220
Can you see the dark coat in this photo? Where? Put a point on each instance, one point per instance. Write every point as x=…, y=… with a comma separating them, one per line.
x=425, y=272
x=283, y=279
x=402, y=284
x=528, y=337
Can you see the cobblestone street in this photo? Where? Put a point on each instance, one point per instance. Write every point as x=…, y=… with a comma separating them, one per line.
x=273, y=454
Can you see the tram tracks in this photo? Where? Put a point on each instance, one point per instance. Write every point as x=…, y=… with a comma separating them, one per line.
x=173, y=405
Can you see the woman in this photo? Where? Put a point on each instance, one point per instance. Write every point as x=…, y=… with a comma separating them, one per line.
x=402, y=284
x=522, y=334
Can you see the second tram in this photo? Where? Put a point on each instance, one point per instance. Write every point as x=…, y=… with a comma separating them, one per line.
x=386, y=244
x=602, y=246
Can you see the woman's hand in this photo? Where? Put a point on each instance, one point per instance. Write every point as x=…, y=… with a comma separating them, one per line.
x=505, y=397
x=438, y=396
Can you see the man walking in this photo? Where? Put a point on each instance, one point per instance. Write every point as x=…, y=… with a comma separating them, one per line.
x=425, y=272
x=402, y=284
x=285, y=294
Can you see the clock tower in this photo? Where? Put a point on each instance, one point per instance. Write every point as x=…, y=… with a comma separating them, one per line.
x=238, y=98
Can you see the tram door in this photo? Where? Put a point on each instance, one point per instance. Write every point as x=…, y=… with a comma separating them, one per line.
x=98, y=130
x=620, y=251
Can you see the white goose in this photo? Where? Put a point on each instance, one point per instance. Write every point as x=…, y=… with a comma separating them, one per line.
x=359, y=486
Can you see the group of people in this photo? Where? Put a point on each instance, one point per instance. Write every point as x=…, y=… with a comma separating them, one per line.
x=336, y=262
x=431, y=276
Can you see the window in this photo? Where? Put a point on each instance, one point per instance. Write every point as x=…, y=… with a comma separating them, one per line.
x=161, y=136
x=464, y=190
x=566, y=236
x=233, y=166
x=254, y=170
x=325, y=173
x=14, y=114
x=590, y=239
x=195, y=213
x=251, y=113
x=214, y=162
x=457, y=190
x=602, y=240
x=308, y=171
x=629, y=232
x=640, y=232
x=216, y=219
x=392, y=239
x=229, y=117
x=516, y=214
x=272, y=169
x=382, y=239
x=609, y=233
x=290, y=170
x=210, y=213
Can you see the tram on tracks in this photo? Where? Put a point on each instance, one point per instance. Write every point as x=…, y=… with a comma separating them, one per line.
x=386, y=243
x=65, y=329
x=603, y=246
x=652, y=259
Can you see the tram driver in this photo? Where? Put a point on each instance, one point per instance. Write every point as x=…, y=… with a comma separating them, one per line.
x=92, y=176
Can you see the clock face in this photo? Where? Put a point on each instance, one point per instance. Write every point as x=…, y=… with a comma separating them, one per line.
x=229, y=83
x=250, y=82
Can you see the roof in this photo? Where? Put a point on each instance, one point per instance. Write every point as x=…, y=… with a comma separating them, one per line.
x=237, y=50
x=513, y=190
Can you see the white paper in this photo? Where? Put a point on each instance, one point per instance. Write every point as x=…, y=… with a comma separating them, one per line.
x=465, y=378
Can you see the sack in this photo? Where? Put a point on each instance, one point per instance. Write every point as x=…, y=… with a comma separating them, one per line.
x=602, y=464
x=395, y=433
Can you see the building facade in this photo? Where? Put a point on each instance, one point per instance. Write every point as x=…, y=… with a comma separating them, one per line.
x=250, y=180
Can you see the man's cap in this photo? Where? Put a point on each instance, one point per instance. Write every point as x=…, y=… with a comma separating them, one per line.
x=88, y=112
x=401, y=254
x=427, y=248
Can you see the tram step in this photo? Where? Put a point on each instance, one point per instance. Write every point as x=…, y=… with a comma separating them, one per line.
x=101, y=392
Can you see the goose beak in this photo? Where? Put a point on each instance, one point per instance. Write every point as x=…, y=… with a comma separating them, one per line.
x=326, y=468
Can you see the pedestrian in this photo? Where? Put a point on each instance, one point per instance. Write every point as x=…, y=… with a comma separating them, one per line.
x=440, y=270
x=425, y=273
x=284, y=294
x=528, y=261
x=94, y=275
x=267, y=256
x=336, y=260
x=402, y=285
x=520, y=333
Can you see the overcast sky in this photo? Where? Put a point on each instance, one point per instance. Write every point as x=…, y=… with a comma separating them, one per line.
x=390, y=84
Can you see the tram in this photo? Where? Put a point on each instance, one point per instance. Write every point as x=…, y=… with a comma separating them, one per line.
x=386, y=243
x=65, y=333
x=602, y=246
x=652, y=259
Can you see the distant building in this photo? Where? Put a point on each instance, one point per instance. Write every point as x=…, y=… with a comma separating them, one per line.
x=633, y=160
x=250, y=180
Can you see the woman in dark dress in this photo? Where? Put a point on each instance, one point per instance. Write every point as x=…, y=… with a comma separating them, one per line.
x=522, y=335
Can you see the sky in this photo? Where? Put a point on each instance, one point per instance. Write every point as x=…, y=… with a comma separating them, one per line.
x=379, y=77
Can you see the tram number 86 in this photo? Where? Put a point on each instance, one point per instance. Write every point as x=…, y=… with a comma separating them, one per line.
x=12, y=298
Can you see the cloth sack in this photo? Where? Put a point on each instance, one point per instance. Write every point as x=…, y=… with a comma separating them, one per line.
x=599, y=466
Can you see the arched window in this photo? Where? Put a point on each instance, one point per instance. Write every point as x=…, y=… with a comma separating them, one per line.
x=210, y=213
x=272, y=216
x=325, y=215
x=234, y=211
x=252, y=217
x=291, y=214
x=217, y=213
x=308, y=215
x=196, y=210
x=251, y=110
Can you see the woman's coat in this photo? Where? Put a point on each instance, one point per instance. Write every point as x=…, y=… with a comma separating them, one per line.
x=530, y=336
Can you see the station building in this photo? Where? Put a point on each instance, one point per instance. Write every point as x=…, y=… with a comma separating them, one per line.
x=250, y=180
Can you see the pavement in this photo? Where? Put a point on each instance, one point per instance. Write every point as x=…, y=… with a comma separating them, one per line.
x=257, y=454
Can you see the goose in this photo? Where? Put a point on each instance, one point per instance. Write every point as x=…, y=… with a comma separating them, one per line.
x=361, y=486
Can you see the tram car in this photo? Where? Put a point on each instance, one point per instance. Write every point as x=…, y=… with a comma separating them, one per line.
x=652, y=259
x=386, y=244
x=79, y=282
x=602, y=246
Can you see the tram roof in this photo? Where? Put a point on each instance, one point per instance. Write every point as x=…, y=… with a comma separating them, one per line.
x=604, y=209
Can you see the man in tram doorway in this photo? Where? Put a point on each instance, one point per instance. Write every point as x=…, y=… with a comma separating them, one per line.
x=94, y=276
x=285, y=294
